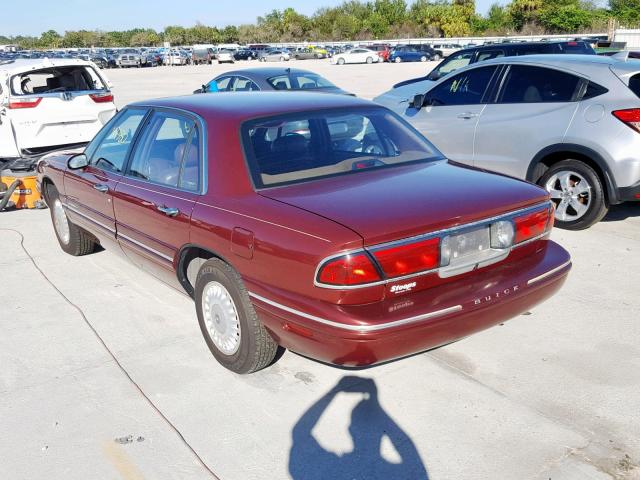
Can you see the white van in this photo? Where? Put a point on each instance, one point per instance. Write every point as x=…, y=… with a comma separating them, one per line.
x=50, y=103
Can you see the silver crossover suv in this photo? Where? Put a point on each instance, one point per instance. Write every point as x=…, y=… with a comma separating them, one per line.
x=569, y=123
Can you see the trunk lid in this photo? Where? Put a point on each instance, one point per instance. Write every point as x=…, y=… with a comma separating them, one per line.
x=391, y=204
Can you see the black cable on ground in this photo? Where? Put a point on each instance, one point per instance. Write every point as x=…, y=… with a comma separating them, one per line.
x=112, y=355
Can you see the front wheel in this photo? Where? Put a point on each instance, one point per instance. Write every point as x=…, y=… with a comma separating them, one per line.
x=341, y=61
x=577, y=192
x=228, y=321
x=398, y=60
x=369, y=60
x=436, y=57
x=72, y=239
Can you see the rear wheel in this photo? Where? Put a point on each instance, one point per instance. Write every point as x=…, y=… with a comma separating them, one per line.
x=341, y=61
x=73, y=239
x=436, y=57
x=398, y=60
x=228, y=321
x=369, y=60
x=423, y=58
x=577, y=192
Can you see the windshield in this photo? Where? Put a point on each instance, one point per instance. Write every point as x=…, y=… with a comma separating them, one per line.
x=299, y=81
x=305, y=146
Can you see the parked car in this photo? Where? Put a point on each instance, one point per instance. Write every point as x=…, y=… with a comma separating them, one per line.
x=175, y=57
x=239, y=201
x=265, y=79
x=308, y=53
x=487, y=52
x=356, y=55
x=100, y=61
x=276, y=55
x=245, y=54
x=570, y=123
x=408, y=53
x=447, y=49
x=383, y=50
x=226, y=56
x=46, y=104
x=130, y=57
x=202, y=55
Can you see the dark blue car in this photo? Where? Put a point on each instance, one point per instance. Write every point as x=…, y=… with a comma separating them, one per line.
x=409, y=53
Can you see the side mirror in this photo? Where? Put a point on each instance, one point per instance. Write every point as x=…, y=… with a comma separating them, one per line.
x=434, y=75
x=418, y=101
x=78, y=161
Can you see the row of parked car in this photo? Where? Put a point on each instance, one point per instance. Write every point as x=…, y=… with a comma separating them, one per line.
x=239, y=200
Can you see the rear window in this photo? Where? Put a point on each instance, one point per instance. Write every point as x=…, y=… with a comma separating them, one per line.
x=299, y=81
x=527, y=84
x=634, y=84
x=576, y=47
x=56, y=79
x=312, y=145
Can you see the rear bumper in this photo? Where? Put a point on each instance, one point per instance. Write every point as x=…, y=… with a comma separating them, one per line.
x=629, y=194
x=357, y=336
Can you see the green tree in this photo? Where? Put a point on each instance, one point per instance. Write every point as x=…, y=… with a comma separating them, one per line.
x=626, y=11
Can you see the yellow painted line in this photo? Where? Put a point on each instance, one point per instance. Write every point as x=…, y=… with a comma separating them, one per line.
x=121, y=461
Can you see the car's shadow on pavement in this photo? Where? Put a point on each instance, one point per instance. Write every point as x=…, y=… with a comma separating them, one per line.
x=623, y=211
x=369, y=424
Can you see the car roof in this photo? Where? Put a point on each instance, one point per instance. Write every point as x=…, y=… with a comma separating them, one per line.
x=20, y=65
x=266, y=72
x=567, y=61
x=242, y=106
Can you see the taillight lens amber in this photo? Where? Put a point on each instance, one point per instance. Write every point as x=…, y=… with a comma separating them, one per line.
x=356, y=269
x=532, y=225
x=409, y=258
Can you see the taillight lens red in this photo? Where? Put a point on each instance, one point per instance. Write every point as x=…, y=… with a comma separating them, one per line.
x=24, y=103
x=532, y=225
x=631, y=117
x=101, y=97
x=410, y=258
x=353, y=269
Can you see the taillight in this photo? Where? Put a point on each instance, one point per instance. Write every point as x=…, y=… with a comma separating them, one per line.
x=24, y=103
x=352, y=269
x=101, y=97
x=532, y=225
x=631, y=117
x=409, y=258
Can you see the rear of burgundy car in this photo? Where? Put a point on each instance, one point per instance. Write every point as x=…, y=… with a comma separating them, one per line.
x=445, y=250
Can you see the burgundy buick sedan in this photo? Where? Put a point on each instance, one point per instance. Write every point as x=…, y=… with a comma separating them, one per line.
x=320, y=223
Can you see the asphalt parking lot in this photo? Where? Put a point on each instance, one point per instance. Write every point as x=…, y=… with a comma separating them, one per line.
x=104, y=373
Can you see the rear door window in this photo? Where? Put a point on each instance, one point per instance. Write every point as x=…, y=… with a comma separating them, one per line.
x=528, y=84
x=466, y=88
x=168, y=152
x=244, y=85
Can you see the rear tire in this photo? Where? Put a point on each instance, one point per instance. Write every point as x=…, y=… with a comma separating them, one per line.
x=369, y=60
x=72, y=239
x=423, y=58
x=228, y=321
x=341, y=61
x=577, y=192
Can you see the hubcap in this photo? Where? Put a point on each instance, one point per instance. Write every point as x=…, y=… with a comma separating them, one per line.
x=60, y=222
x=221, y=318
x=571, y=194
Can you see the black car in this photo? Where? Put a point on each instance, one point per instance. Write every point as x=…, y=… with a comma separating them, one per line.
x=245, y=54
x=475, y=54
x=266, y=79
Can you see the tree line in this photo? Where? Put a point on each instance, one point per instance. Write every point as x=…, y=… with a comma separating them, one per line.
x=367, y=20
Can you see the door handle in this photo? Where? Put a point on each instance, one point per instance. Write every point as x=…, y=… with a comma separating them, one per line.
x=468, y=115
x=168, y=211
x=101, y=188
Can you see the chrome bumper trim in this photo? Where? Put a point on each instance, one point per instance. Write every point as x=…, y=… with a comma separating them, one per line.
x=359, y=328
x=549, y=273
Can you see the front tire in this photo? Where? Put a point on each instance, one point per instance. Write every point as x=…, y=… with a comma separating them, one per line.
x=398, y=60
x=72, y=239
x=423, y=58
x=369, y=60
x=228, y=321
x=341, y=61
x=577, y=192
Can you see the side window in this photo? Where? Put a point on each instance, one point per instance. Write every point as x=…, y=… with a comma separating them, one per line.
x=526, y=84
x=634, y=84
x=110, y=150
x=454, y=62
x=224, y=84
x=166, y=153
x=489, y=54
x=244, y=85
x=466, y=88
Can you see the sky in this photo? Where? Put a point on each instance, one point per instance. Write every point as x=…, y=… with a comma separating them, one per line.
x=43, y=15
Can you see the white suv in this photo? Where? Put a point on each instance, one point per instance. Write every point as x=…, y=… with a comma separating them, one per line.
x=45, y=104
